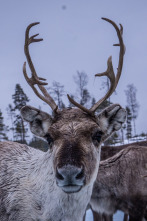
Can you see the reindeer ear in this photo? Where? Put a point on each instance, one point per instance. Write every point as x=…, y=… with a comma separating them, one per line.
x=111, y=119
x=39, y=121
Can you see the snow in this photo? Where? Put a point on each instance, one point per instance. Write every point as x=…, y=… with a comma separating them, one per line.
x=131, y=140
x=117, y=217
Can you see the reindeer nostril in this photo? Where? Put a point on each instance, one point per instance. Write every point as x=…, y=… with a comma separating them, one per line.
x=70, y=175
x=80, y=175
x=59, y=175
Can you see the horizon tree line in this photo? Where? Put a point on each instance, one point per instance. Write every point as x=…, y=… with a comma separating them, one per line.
x=19, y=131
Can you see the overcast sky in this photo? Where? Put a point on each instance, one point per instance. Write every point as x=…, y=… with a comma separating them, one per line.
x=75, y=38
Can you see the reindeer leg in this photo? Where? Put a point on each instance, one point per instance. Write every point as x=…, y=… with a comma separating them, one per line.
x=137, y=212
x=97, y=216
x=137, y=216
x=84, y=218
x=107, y=217
x=125, y=217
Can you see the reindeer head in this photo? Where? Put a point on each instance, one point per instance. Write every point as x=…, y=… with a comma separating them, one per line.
x=74, y=135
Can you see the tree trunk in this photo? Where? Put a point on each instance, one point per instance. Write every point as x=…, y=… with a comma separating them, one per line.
x=134, y=126
x=23, y=132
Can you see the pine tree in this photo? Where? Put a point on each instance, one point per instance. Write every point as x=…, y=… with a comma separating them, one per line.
x=113, y=139
x=3, y=128
x=132, y=103
x=122, y=130
x=105, y=104
x=39, y=144
x=20, y=99
x=11, y=116
x=128, y=123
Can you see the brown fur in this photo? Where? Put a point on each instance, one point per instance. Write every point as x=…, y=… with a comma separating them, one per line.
x=121, y=180
x=72, y=131
x=107, y=152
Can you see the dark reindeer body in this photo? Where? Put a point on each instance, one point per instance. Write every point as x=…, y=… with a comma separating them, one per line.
x=57, y=185
x=121, y=184
x=109, y=151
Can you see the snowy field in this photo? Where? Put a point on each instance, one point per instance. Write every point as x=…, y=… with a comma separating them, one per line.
x=117, y=217
x=132, y=140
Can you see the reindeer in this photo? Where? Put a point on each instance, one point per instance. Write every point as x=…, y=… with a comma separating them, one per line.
x=107, y=152
x=57, y=185
x=121, y=184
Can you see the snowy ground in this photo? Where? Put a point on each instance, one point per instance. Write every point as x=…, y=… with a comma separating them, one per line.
x=117, y=217
x=132, y=140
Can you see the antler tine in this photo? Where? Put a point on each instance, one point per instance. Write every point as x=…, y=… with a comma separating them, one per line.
x=109, y=72
x=34, y=79
x=78, y=105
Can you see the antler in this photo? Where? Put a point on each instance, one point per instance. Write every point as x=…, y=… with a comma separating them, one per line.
x=109, y=72
x=34, y=79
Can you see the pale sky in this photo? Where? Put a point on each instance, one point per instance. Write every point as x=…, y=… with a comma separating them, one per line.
x=75, y=38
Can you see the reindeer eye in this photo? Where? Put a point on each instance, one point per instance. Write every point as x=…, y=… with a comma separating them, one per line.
x=38, y=122
x=97, y=137
x=49, y=139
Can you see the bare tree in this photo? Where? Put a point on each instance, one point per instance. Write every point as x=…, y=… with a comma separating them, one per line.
x=57, y=91
x=132, y=103
x=81, y=79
